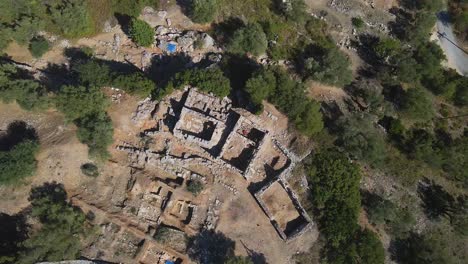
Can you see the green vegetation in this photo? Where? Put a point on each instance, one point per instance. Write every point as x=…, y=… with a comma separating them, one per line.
x=195, y=187
x=38, y=46
x=334, y=185
x=97, y=73
x=397, y=221
x=71, y=18
x=459, y=13
x=328, y=65
x=288, y=96
x=17, y=85
x=76, y=102
x=18, y=162
x=97, y=132
x=203, y=11
x=86, y=106
x=141, y=32
x=359, y=136
x=89, y=169
x=248, y=40
x=357, y=22
x=210, y=80
x=59, y=222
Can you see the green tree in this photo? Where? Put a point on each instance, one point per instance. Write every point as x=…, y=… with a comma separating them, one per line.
x=360, y=137
x=331, y=67
x=59, y=222
x=369, y=248
x=97, y=132
x=16, y=85
x=417, y=104
x=141, y=32
x=250, y=39
x=387, y=48
x=76, y=102
x=18, y=162
x=71, y=18
x=288, y=96
x=203, y=11
x=310, y=122
x=260, y=87
x=195, y=186
x=135, y=83
x=92, y=73
x=210, y=80
x=334, y=183
x=357, y=22
x=38, y=46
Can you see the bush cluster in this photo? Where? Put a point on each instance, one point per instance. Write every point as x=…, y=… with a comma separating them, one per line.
x=288, y=95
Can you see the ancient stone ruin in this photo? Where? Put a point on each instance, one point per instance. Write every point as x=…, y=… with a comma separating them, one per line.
x=234, y=139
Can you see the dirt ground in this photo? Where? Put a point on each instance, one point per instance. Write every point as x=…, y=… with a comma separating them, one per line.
x=243, y=220
x=59, y=157
x=280, y=205
x=326, y=93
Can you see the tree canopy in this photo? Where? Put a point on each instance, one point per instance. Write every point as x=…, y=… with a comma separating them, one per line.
x=141, y=32
x=250, y=39
x=203, y=11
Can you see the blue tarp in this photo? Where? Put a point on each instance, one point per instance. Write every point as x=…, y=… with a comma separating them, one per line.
x=171, y=48
x=169, y=262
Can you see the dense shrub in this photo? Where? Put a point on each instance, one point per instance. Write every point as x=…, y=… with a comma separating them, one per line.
x=71, y=18
x=288, y=96
x=60, y=221
x=76, y=102
x=361, y=138
x=86, y=107
x=92, y=73
x=211, y=80
x=334, y=184
x=250, y=39
x=18, y=162
x=329, y=65
x=89, y=169
x=195, y=187
x=97, y=132
x=16, y=85
x=135, y=83
x=141, y=32
x=38, y=46
x=203, y=11
x=417, y=104
x=357, y=22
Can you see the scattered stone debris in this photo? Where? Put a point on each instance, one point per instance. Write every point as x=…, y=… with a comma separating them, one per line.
x=184, y=41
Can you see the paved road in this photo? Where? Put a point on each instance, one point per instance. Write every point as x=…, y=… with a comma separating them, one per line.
x=456, y=56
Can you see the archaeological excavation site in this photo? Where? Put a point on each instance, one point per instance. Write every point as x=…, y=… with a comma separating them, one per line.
x=146, y=205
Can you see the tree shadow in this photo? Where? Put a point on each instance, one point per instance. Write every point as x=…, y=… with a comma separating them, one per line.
x=185, y=6
x=209, y=247
x=225, y=29
x=256, y=257
x=239, y=69
x=436, y=201
x=164, y=67
x=124, y=22
x=13, y=231
x=401, y=23
x=405, y=250
x=52, y=191
x=17, y=132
